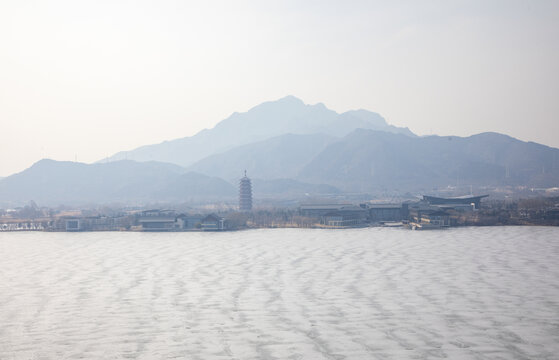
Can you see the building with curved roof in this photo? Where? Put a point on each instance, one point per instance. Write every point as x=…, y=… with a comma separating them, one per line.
x=460, y=200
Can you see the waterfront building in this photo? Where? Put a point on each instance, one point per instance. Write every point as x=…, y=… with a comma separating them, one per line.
x=344, y=218
x=387, y=212
x=429, y=218
x=213, y=222
x=438, y=218
x=189, y=222
x=73, y=224
x=158, y=220
x=552, y=213
x=245, y=194
x=457, y=202
x=318, y=210
x=345, y=215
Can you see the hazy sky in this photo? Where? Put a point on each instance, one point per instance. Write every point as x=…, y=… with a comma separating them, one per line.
x=85, y=79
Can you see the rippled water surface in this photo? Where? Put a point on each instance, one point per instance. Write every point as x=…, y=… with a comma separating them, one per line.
x=471, y=293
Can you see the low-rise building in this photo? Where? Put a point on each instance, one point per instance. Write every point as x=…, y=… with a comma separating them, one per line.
x=342, y=219
x=189, y=222
x=318, y=210
x=429, y=218
x=213, y=222
x=456, y=202
x=387, y=212
x=74, y=224
x=158, y=220
x=345, y=216
x=439, y=218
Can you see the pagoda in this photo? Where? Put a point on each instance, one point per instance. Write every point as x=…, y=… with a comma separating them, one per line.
x=245, y=194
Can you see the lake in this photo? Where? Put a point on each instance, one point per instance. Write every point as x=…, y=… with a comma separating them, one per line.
x=373, y=293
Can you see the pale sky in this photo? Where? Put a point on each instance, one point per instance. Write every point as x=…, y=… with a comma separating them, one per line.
x=85, y=79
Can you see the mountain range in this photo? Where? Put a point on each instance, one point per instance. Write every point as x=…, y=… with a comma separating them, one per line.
x=269, y=119
x=369, y=161
x=290, y=150
x=50, y=182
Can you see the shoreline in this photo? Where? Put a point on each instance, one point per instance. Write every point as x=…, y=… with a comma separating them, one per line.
x=318, y=227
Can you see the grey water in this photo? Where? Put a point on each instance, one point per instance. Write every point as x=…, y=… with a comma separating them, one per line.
x=468, y=293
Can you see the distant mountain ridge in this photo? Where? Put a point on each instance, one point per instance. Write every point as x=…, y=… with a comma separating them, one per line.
x=288, y=115
x=368, y=160
x=372, y=161
x=280, y=157
x=291, y=150
x=50, y=182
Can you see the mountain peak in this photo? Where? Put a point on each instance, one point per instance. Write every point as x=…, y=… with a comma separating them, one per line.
x=50, y=163
x=290, y=99
x=266, y=120
x=44, y=161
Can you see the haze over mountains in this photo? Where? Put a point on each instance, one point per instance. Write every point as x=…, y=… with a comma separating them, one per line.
x=273, y=118
x=290, y=150
x=52, y=182
x=369, y=161
x=372, y=161
x=282, y=156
